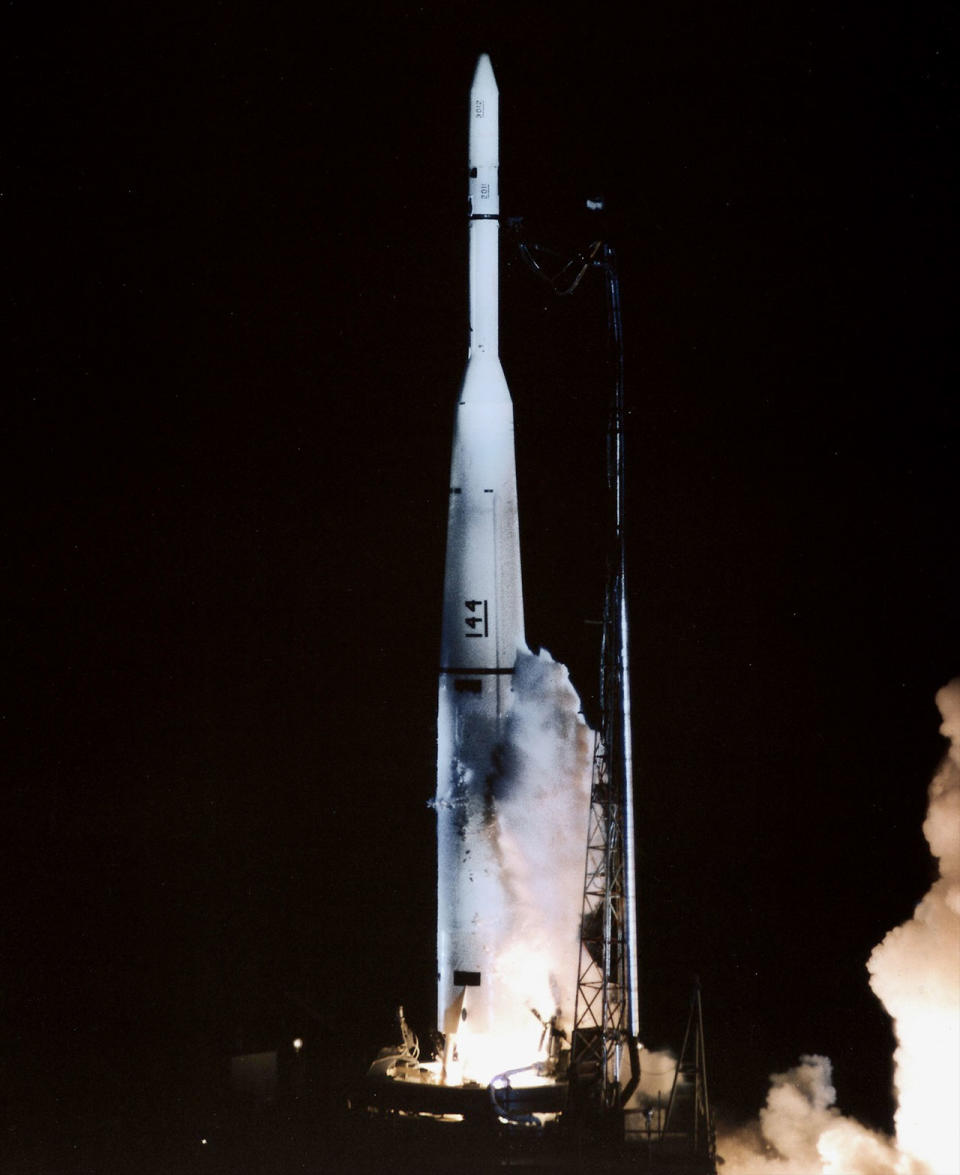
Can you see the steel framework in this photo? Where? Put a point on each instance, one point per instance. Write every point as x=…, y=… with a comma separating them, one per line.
x=600, y=1028
x=688, y=1115
x=606, y=1019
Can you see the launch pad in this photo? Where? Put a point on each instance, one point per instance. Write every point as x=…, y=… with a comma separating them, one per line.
x=469, y=1102
x=399, y=1082
x=567, y=1121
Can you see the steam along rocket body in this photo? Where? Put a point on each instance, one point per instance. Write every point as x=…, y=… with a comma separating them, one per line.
x=482, y=615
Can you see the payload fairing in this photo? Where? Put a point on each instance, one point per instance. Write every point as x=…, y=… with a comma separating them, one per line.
x=482, y=614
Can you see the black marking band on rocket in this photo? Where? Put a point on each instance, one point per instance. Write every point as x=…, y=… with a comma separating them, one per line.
x=469, y=669
x=485, y=216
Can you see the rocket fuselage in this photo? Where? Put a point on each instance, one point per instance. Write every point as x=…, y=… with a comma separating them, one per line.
x=482, y=613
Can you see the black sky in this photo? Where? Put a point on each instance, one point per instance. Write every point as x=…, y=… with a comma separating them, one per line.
x=238, y=321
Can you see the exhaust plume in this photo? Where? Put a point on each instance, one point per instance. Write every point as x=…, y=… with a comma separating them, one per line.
x=532, y=838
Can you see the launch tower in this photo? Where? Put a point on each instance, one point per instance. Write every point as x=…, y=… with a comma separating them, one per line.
x=607, y=1020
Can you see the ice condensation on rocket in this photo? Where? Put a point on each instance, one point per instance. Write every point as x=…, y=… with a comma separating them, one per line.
x=507, y=921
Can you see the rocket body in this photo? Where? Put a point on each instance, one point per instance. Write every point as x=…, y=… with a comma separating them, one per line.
x=482, y=628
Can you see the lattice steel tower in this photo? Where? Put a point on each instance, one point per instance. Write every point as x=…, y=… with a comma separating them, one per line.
x=606, y=1021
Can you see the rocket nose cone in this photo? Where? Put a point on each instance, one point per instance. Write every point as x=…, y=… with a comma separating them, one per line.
x=483, y=78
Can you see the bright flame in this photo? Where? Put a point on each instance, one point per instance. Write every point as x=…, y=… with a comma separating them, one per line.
x=490, y=1054
x=916, y=973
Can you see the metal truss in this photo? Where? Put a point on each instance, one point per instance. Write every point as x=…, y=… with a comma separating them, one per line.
x=606, y=1017
x=688, y=1115
x=600, y=1028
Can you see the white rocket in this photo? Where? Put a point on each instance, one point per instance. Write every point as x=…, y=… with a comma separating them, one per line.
x=482, y=614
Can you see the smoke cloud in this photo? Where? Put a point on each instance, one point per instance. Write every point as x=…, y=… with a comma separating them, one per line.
x=536, y=835
x=542, y=825
x=801, y=1132
x=915, y=972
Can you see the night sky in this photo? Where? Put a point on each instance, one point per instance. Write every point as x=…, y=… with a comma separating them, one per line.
x=237, y=311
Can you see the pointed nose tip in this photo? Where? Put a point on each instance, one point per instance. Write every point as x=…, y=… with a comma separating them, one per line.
x=483, y=76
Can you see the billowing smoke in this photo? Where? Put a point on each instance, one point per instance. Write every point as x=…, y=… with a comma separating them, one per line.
x=915, y=972
x=801, y=1132
x=542, y=822
x=541, y=805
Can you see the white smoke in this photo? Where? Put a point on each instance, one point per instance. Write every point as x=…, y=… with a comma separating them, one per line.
x=540, y=823
x=915, y=972
x=647, y=1108
x=657, y=1071
x=801, y=1132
